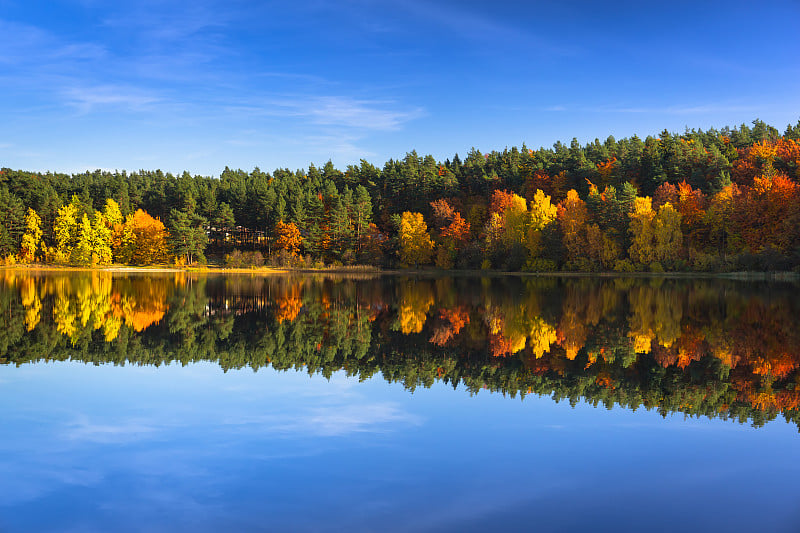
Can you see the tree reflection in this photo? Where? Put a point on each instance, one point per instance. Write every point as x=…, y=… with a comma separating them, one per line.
x=711, y=348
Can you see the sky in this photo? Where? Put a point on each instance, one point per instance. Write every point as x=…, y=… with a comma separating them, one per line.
x=205, y=84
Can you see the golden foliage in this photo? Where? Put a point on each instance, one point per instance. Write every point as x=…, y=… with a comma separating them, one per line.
x=150, y=239
x=288, y=237
x=416, y=245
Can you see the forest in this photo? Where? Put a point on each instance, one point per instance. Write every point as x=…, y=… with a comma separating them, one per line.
x=707, y=201
x=712, y=348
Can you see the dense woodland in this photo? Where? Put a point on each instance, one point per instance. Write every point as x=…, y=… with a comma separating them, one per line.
x=716, y=200
x=702, y=348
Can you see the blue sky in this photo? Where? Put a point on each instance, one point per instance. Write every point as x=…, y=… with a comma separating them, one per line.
x=201, y=85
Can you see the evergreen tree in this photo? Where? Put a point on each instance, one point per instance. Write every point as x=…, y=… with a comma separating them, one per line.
x=12, y=222
x=188, y=236
x=361, y=215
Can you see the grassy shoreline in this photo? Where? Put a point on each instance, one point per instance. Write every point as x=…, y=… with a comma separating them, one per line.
x=279, y=271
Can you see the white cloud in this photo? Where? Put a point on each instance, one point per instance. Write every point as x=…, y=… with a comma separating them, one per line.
x=366, y=114
x=340, y=111
x=87, y=98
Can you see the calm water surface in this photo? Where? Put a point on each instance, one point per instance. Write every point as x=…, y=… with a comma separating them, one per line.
x=184, y=402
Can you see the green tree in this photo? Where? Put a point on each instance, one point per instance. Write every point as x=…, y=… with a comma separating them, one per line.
x=362, y=215
x=188, y=235
x=223, y=222
x=12, y=222
x=341, y=230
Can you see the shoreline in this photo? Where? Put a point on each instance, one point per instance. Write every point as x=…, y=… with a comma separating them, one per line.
x=784, y=276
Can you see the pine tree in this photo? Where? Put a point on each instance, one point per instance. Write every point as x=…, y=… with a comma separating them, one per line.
x=188, y=235
x=12, y=222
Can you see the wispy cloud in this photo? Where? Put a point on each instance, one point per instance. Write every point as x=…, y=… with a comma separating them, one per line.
x=87, y=98
x=341, y=111
x=367, y=114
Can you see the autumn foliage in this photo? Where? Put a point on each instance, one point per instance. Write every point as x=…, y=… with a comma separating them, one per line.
x=719, y=201
x=149, y=239
x=288, y=238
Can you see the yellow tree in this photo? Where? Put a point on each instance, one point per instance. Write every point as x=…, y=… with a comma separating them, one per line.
x=115, y=222
x=82, y=253
x=667, y=233
x=572, y=216
x=101, y=240
x=94, y=241
x=516, y=220
x=542, y=214
x=416, y=245
x=112, y=213
x=32, y=237
x=641, y=229
x=65, y=231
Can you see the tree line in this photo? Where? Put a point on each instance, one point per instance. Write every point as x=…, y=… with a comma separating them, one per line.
x=715, y=200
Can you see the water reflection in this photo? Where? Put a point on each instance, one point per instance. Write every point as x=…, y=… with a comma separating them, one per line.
x=711, y=348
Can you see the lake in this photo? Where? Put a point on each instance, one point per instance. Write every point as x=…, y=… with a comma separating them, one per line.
x=176, y=401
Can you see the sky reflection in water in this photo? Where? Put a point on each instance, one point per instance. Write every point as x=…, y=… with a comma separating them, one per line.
x=94, y=448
